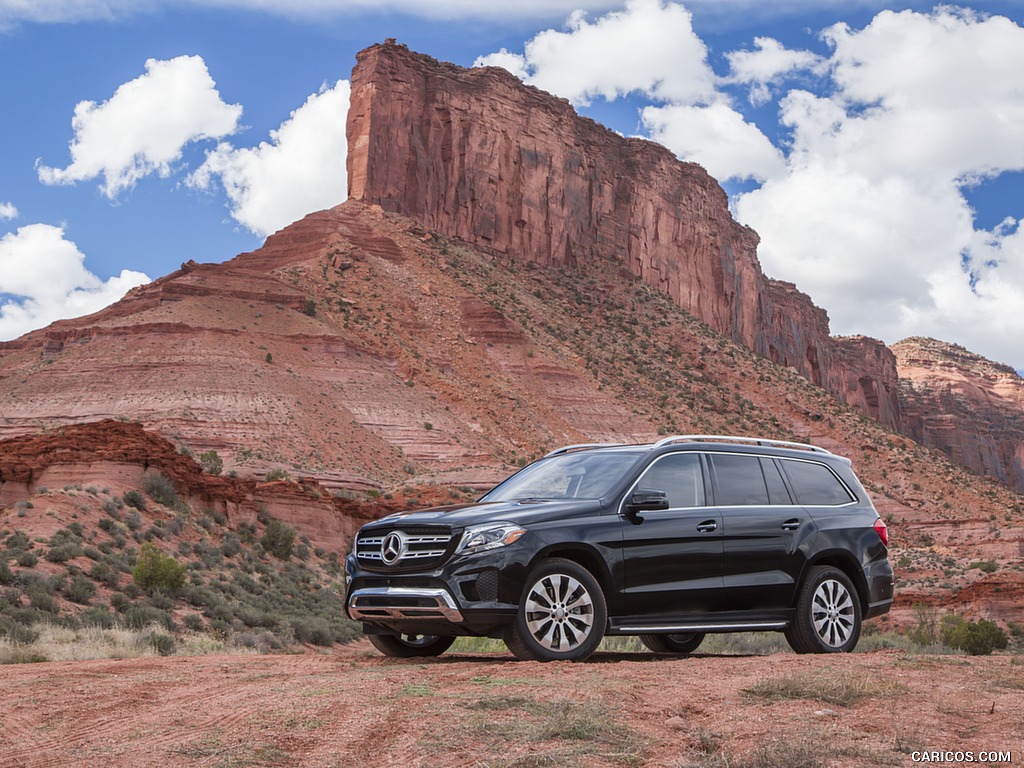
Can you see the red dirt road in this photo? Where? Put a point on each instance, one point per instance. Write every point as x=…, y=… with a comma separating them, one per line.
x=351, y=707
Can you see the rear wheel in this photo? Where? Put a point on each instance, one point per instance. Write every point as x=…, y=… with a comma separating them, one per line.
x=561, y=614
x=828, y=615
x=410, y=646
x=680, y=643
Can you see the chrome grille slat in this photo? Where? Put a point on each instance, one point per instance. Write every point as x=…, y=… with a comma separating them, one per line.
x=417, y=545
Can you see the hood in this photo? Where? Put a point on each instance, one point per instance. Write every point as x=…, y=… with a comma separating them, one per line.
x=521, y=512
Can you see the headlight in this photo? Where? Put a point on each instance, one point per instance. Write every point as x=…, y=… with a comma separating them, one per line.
x=480, y=538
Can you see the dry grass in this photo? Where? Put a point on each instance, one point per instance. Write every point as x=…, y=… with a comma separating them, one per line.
x=57, y=643
x=835, y=687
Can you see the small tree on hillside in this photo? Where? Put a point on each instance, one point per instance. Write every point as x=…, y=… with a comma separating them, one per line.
x=211, y=462
x=278, y=539
x=157, y=572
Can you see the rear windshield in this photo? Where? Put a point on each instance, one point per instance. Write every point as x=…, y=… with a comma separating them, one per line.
x=585, y=475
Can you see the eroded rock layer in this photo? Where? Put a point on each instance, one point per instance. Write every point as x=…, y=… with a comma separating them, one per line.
x=478, y=155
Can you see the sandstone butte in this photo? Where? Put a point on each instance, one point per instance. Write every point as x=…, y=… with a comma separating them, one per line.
x=506, y=277
x=476, y=154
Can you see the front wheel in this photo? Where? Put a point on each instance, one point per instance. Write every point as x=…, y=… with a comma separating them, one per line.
x=681, y=643
x=561, y=616
x=411, y=646
x=828, y=615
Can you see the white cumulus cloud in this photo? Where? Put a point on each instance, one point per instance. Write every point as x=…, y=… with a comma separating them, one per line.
x=300, y=170
x=717, y=137
x=870, y=214
x=649, y=47
x=768, y=65
x=43, y=278
x=8, y=211
x=143, y=127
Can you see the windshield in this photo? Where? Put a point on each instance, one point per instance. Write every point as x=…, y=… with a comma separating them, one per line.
x=585, y=475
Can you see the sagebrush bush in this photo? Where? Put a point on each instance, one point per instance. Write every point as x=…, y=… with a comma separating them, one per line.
x=156, y=571
x=135, y=500
x=79, y=589
x=160, y=489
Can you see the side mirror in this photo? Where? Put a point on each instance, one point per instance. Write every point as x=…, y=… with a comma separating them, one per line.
x=646, y=500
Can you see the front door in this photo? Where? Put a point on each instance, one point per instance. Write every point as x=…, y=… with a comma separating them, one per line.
x=672, y=557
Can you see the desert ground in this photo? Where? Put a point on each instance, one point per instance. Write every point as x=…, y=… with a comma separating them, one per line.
x=349, y=706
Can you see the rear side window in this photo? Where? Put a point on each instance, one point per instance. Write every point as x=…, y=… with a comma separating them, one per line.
x=816, y=484
x=740, y=481
x=678, y=475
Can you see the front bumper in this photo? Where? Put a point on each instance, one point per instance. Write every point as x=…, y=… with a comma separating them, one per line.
x=465, y=596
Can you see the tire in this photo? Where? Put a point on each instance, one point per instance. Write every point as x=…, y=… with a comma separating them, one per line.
x=828, y=613
x=681, y=643
x=411, y=646
x=562, y=614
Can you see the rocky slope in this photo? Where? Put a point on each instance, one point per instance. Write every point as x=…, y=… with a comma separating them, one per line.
x=480, y=156
x=968, y=407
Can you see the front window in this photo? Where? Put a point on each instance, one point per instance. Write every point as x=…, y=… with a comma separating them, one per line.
x=584, y=475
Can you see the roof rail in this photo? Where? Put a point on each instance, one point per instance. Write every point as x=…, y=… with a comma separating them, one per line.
x=749, y=440
x=581, y=447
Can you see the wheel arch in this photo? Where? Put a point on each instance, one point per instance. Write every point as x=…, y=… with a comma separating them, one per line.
x=846, y=563
x=581, y=555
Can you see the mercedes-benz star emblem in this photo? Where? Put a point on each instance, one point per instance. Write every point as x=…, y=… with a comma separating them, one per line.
x=392, y=548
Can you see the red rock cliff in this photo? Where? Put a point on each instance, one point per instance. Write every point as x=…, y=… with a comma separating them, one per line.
x=968, y=407
x=478, y=155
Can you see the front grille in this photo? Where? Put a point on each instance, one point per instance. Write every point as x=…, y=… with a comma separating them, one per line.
x=418, y=547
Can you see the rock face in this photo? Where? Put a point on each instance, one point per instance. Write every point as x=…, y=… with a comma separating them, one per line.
x=968, y=407
x=478, y=155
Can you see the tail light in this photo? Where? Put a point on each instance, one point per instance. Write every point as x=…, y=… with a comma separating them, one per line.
x=882, y=531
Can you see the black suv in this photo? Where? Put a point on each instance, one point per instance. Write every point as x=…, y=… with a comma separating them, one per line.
x=670, y=541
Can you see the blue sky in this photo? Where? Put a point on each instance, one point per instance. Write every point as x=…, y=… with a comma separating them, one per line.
x=876, y=147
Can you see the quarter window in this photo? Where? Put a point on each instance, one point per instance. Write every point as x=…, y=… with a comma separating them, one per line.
x=816, y=484
x=740, y=481
x=678, y=475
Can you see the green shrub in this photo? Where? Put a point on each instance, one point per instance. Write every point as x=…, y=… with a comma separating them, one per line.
x=62, y=553
x=160, y=489
x=978, y=638
x=135, y=500
x=139, y=616
x=26, y=560
x=231, y=545
x=193, y=622
x=278, y=539
x=18, y=540
x=6, y=575
x=119, y=602
x=279, y=473
x=156, y=571
x=79, y=590
x=312, y=630
x=104, y=573
x=97, y=616
x=211, y=462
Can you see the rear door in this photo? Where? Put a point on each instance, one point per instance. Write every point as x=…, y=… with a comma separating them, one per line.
x=765, y=533
x=672, y=557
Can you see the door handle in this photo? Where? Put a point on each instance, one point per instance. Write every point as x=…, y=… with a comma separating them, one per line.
x=791, y=525
x=707, y=526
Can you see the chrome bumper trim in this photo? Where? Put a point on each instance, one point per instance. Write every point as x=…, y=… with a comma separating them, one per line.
x=376, y=603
